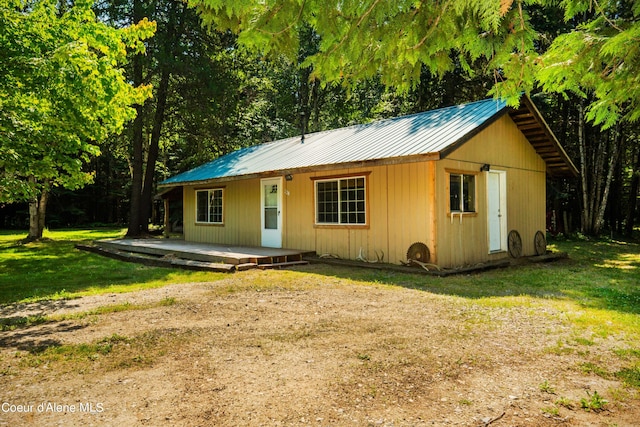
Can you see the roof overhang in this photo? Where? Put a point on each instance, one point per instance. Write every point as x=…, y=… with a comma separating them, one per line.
x=165, y=188
x=535, y=129
x=172, y=192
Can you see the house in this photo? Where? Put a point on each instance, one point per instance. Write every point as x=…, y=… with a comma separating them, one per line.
x=453, y=187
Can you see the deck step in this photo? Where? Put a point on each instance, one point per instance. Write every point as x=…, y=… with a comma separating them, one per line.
x=281, y=264
x=201, y=265
x=246, y=266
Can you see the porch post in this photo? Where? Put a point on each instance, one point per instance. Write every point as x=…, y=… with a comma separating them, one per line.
x=166, y=217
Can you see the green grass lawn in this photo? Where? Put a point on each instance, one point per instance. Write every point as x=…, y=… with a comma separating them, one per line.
x=54, y=269
x=600, y=275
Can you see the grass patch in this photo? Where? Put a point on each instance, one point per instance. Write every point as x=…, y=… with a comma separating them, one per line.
x=591, y=289
x=560, y=348
x=627, y=353
x=592, y=368
x=114, y=352
x=25, y=322
x=630, y=376
x=69, y=354
x=54, y=269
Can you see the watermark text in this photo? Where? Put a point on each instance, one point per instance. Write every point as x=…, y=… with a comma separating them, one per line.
x=51, y=407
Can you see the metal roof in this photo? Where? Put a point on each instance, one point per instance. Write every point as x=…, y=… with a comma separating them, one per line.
x=430, y=133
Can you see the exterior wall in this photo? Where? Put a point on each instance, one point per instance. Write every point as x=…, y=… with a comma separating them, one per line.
x=241, y=212
x=503, y=147
x=398, y=213
x=406, y=203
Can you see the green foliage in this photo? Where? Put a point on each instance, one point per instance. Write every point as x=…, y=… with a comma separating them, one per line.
x=62, y=90
x=565, y=402
x=396, y=39
x=595, y=402
x=601, y=56
x=545, y=387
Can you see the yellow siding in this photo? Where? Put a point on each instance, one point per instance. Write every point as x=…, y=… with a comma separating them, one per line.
x=398, y=214
x=241, y=215
x=504, y=147
x=397, y=211
x=406, y=203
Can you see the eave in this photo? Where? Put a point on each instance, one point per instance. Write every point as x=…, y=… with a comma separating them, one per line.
x=535, y=129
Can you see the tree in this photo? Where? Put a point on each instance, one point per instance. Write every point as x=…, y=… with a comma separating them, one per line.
x=188, y=69
x=594, y=55
x=62, y=90
x=598, y=60
x=398, y=38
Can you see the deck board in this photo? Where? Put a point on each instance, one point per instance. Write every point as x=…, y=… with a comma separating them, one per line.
x=206, y=252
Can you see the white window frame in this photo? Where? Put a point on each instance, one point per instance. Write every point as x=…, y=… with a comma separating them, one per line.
x=340, y=201
x=210, y=192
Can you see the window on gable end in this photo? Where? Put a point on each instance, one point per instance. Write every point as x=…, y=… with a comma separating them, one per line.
x=462, y=193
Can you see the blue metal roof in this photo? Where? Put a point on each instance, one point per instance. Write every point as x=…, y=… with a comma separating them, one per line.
x=417, y=134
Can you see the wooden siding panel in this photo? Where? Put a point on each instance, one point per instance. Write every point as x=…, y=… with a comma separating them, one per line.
x=398, y=211
x=241, y=206
x=410, y=200
x=501, y=145
x=299, y=213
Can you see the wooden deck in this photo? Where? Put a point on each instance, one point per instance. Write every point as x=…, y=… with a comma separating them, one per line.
x=241, y=257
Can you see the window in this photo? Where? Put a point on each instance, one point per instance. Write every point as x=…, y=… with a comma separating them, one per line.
x=209, y=206
x=462, y=193
x=341, y=201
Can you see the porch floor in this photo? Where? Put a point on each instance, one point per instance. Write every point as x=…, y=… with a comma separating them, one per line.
x=239, y=256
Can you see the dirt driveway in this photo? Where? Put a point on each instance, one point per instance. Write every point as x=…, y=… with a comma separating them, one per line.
x=286, y=349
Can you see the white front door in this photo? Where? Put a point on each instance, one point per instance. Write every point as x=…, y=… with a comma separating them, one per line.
x=497, y=210
x=271, y=212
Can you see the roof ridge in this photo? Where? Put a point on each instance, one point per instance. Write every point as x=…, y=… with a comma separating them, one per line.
x=419, y=133
x=386, y=119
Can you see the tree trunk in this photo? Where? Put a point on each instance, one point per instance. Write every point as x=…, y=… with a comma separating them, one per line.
x=138, y=127
x=34, y=231
x=146, y=198
x=603, y=195
x=42, y=211
x=633, y=198
x=37, y=213
x=174, y=29
x=584, y=176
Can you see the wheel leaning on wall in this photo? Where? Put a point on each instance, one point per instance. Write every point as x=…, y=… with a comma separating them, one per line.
x=540, y=243
x=514, y=244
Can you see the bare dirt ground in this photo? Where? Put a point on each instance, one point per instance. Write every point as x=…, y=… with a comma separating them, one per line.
x=281, y=349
